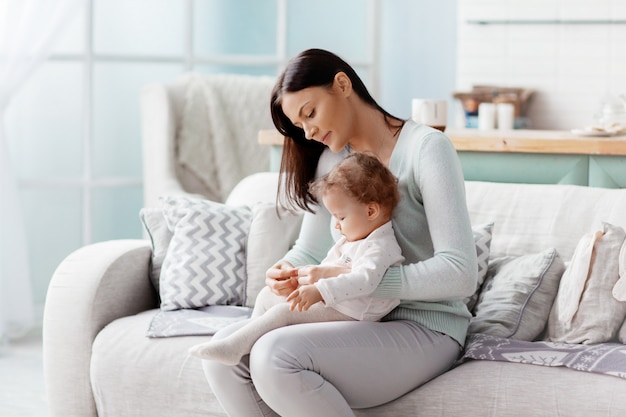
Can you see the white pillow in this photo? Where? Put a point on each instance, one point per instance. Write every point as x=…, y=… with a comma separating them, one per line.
x=271, y=235
x=585, y=310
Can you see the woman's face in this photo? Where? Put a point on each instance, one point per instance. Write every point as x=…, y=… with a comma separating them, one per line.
x=322, y=113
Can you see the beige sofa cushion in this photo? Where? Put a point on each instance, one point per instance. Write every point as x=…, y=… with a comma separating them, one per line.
x=528, y=218
x=133, y=375
x=136, y=376
x=501, y=389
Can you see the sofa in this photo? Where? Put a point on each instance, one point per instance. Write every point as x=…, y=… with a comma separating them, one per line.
x=543, y=250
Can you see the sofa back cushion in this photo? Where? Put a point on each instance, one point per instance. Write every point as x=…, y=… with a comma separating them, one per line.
x=529, y=218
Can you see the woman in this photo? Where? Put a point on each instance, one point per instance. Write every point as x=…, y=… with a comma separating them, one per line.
x=327, y=369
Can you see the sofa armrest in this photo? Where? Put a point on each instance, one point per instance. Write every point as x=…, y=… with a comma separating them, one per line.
x=92, y=287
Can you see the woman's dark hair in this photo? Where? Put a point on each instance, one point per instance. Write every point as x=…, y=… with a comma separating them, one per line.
x=310, y=68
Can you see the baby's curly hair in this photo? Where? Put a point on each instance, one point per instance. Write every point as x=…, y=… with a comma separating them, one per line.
x=363, y=177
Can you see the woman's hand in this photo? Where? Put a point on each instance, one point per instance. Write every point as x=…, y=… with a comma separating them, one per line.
x=282, y=278
x=304, y=297
x=310, y=274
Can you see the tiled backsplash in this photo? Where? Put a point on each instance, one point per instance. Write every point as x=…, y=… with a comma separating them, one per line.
x=572, y=66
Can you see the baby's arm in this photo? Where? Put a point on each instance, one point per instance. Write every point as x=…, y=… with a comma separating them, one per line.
x=368, y=267
x=330, y=267
x=310, y=274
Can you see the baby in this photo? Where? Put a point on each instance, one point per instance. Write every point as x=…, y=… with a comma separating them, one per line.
x=360, y=193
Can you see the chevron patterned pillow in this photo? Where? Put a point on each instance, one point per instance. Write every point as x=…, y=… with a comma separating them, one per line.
x=205, y=260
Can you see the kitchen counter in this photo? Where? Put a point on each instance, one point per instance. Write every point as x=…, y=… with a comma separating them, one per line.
x=535, y=141
x=524, y=156
x=517, y=141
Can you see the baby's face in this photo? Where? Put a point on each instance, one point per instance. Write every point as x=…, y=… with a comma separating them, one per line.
x=351, y=217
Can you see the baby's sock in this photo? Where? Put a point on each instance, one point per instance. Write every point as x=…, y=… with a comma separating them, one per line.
x=226, y=351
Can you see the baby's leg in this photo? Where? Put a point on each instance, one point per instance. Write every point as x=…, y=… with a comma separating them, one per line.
x=266, y=300
x=231, y=349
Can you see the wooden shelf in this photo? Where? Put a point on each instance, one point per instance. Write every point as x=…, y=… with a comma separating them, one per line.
x=514, y=141
x=535, y=141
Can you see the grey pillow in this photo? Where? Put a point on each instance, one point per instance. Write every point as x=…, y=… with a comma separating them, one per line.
x=482, y=239
x=621, y=335
x=517, y=295
x=205, y=260
x=156, y=228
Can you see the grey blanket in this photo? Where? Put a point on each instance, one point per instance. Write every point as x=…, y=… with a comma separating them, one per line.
x=602, y=358
x=195, y=322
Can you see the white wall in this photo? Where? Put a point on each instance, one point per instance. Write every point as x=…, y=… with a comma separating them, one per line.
x=571, y=66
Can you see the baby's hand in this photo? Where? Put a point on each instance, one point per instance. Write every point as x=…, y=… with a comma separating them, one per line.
x=304, y=297
x=282, y=278
x=310, y=274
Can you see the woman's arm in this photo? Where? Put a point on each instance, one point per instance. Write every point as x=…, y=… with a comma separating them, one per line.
x=451, y=272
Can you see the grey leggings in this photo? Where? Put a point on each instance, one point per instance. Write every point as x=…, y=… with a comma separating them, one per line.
x=326, y=369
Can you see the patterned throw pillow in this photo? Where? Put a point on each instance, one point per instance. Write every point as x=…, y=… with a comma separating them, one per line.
x=205, y=260
x=482, y=239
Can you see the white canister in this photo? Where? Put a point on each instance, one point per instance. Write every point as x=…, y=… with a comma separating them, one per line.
x=430, y=112
x=486, y=116
x=506, y=116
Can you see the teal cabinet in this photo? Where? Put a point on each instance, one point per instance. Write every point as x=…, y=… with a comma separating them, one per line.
x=525, y=168
x=607, y=171
x=535, y=168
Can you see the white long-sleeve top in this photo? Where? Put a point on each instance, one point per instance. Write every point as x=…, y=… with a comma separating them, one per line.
x=369, y=259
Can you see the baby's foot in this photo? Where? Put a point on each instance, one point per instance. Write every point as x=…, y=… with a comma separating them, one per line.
x=217, y=351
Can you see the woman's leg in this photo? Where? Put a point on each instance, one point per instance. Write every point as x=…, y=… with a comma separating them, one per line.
x=233, y=386
x=229, y=350
x=328, y=368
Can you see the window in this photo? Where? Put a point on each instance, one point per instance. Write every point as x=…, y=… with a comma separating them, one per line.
x=75, y=127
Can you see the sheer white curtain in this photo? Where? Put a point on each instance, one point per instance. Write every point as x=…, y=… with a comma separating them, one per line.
x=28, y=29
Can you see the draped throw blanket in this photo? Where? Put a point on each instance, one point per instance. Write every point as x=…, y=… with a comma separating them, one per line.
x=222, y=116
x=602, y=358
